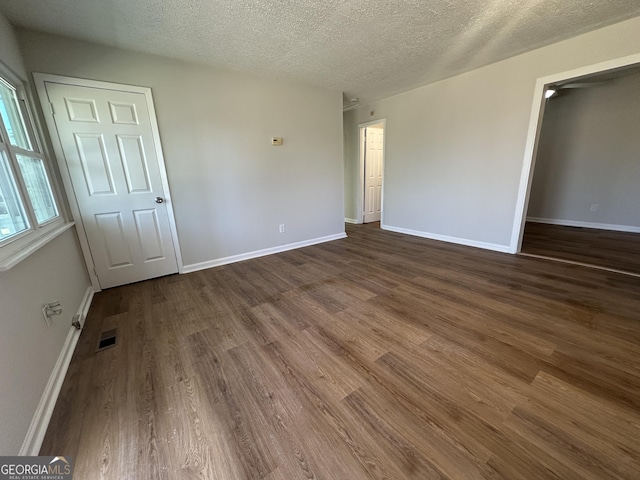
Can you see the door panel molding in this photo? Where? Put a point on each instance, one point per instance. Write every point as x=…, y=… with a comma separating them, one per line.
x=382, y=122
x=131, y=117
x=373, y=165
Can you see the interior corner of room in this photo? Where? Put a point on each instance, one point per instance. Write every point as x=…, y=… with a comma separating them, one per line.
x=480, y=159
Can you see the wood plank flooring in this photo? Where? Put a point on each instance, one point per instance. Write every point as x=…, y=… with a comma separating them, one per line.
x=380, y=356
x=602, y=248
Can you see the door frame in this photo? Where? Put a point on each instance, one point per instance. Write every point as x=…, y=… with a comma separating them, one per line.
x=40, y=79
x=361, y=155
x=533, y=135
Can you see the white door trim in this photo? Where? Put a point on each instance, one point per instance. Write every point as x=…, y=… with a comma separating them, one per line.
x=40, y=79
x=533, y=135
x=361, y=153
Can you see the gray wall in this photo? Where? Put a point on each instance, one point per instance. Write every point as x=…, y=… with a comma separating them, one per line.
x=589, y=153
x=351, y=165
x=231, y=188
x=455, y=148
x=9, y=49
x=28, y=348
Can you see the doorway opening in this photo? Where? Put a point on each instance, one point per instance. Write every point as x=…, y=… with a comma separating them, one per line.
x=579, y=203
x=372, y=153
x=107, y=143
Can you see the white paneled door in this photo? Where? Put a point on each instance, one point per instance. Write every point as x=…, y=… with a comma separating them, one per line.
x=108, y=145
x=373, y=167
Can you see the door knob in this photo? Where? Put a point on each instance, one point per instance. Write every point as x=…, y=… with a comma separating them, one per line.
x=159, y=200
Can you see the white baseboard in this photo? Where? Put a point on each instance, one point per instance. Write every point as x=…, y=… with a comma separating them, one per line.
x=350, y=220
x=83, y=309
x=575, y=223
x=42, y=416
x=194, y=267
x=444, y=238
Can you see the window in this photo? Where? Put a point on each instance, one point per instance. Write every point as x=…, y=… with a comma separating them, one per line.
x=27, y=199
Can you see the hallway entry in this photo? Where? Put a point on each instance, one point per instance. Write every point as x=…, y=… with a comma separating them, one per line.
x=372, y=165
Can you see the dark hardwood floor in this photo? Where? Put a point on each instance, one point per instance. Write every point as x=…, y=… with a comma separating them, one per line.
x=377, y=356
x=602, y=248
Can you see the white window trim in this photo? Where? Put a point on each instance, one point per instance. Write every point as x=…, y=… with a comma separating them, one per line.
x=18, y=251
x=15, y=249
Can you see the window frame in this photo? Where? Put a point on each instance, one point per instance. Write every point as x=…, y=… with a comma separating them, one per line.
x=19, y=246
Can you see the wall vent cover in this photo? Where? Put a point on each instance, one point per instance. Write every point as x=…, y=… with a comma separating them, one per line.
x=108, y=339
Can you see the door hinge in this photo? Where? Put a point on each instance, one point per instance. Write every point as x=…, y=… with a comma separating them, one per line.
x=53, y=111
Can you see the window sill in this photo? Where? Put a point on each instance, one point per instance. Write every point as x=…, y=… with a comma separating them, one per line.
x=13, y=257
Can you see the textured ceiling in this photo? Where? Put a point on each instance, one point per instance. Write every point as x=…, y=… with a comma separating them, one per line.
x=366, y=48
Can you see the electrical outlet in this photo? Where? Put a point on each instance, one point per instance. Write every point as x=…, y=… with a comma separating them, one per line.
x=47, y=318
x=282, y=228
x=594, y=207
x=51, y=309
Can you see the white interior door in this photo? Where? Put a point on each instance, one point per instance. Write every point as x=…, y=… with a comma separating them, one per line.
x=108, y=146
x=373, y=168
